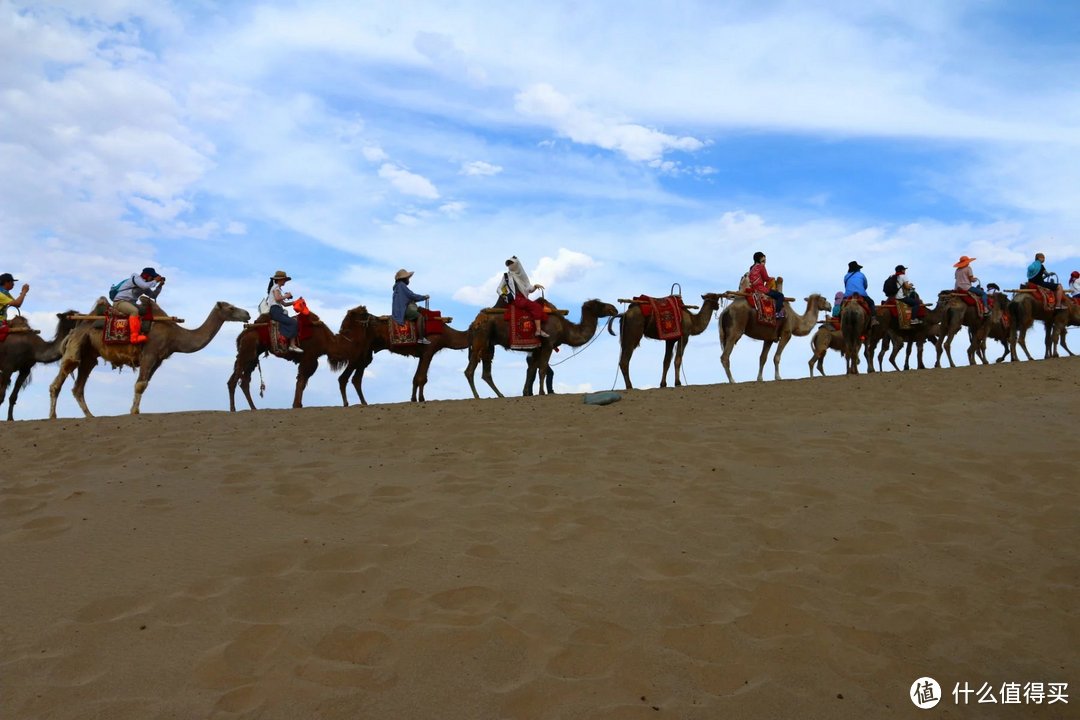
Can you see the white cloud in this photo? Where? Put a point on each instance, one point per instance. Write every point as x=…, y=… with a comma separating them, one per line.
x=373, y=153
x=566, y=266
x=408, y=183
x=479, y=167
x=453, y=209
x=582, y=126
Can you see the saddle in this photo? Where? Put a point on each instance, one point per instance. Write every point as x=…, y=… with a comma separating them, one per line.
x=765, y=307
x=4, y=330
x=522, y=328
x=270, y=337
x=115, y=329
x=1049, y=297
x=972, y=299
x=407, y=332
x=668, y=311
x=899, y=310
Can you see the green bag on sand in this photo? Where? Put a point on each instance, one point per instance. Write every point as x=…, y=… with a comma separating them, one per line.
x=602, y=398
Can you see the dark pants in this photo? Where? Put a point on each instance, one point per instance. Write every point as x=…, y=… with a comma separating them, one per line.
x=778, y=297
x=287, y=326
x=1044, y=283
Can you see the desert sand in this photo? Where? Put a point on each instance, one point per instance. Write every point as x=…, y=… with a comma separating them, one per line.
x=785, y=549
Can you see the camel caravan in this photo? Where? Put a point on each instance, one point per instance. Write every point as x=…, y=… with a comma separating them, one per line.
x=129, y=329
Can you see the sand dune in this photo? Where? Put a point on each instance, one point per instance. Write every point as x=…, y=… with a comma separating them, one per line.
x=794, y=549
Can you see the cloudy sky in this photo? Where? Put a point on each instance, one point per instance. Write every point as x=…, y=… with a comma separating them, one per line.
x=616, y=148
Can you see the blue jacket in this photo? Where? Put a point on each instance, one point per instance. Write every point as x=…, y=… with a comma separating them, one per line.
x=402, y=297
x=855, y=284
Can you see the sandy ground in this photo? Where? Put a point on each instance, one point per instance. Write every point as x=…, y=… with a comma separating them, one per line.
x=795, y=549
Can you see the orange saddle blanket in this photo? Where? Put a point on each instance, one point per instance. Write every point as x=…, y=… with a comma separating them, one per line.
x=407, y=333
x=668, y=312
x=765, y=307
x=116, y=330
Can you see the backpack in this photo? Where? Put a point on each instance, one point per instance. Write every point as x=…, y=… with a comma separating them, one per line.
x=264, y=306
x=891, y=287
x=506, y=289
x=115, y=289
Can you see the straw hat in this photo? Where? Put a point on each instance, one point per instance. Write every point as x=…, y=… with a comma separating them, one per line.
x=280, y=275
x=402, y=274
x=963, y=262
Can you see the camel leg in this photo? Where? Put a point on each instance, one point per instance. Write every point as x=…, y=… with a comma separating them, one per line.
x=679, y=349
x=146, y=372
x=5, y=378
x=730, y=336
x=470, y=370
x=1061, y=341
x=241, y=375
x=669, y=346
x=485, y=374
x=420, y=378
x=343, y=384
x=918, y=355
x=82, y=374
x=245, y=384
x=895, y=351
x=784, y=340
x=20, y=380
x=761, y=360
x=304, y=371
x=67, y=366
x=950, y=334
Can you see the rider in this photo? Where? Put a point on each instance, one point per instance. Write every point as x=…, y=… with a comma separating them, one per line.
x=405, y=308
x=838, y=300
x=7, y=283
x=147, y=283
x=277, y=300
x=1074, y=284
x=761, y=282
x=898, y=287
x=1038, y=275
x=516, y=287
x=965, y=280
x=855, y=284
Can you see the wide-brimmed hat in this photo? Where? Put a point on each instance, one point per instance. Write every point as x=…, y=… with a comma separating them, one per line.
x=901, y=268
x=281, y=275
x=853, y=266
x=6, y=278
x=402, y=274
x=963, y=262
x=149, y=272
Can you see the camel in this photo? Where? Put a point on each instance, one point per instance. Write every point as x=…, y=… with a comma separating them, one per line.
x=490, y=330
x=22, y=350
x=996, y=329
x=377, y=336
x=338, y=348
x=635, y=325
x=1025, y=309
x=854, y=326
x=918, y=333
x=740, y=319
x=959, y=314
x=1062, y=321
x=83, y=347
x=826, y=338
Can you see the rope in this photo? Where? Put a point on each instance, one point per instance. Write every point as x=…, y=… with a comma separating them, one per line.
x=577, y=351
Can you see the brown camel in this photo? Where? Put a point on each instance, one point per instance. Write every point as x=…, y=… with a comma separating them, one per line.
x=917, y=334
x=855, y=328
x=1024, y=310
x=959, y=314
x=85, y=345
x=826, y=338
x=491, y=330
x=338, y=348
x=740, y=319
x=996, y=328
x=376, y=334
x=829, y=337
x=22, y=350
x=1062, y=321
x=635, y=325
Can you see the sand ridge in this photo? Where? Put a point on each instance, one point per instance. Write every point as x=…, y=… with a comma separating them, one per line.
x=760, y=550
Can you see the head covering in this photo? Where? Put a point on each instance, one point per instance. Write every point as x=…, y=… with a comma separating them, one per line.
x=402, y=274
x=838, y=297
x=853, y=266
x=901, y=269
x=280, y=275
x=1074, y=274
x=6, y=278
x=518, y=275
x=758, y=255
x=963, y=262
x=149, y=271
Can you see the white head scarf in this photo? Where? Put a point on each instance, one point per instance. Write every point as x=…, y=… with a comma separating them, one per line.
x=517, y=275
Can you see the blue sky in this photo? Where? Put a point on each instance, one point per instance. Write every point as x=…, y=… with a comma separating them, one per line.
x=616, y=148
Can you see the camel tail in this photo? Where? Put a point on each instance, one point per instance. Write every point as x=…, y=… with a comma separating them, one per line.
x=336, y=364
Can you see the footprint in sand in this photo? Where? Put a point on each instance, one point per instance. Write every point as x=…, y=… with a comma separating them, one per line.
x=39, y=529
x=243, y=659
x=590, y=651
x=14, y=506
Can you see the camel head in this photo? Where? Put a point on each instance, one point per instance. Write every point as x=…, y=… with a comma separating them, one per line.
x=231, y=313
x=356, y=319
x=599, y=308
x=818, y=303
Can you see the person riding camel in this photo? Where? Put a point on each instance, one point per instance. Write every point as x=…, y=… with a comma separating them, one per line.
x=7, y=284
x=760, y=282
x=965, y=281
x=275, y=303
x=855, y=284
x=405, y=307
x=899, y=288
x=516, y=287
x=146, y=284
x=1038, y=275
x=1074, y=285
x=838, y=301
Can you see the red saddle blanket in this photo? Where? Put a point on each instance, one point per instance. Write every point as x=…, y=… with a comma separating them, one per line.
x=4, y=330
x=764, y=305
x=1048, y=297
x=270, y=337
x=522, y=328
x=408, y=334
x=856, y=299
x=669, y=314
x=116, y=330
x=833, y=322
x=971, y=299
